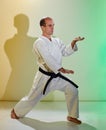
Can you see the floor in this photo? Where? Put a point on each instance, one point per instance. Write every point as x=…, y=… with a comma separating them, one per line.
x=52, y=116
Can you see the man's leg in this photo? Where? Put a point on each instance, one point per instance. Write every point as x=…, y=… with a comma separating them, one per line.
x=27, y=103
x=71, y=94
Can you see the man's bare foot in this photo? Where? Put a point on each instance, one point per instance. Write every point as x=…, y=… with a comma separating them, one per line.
x=13, y=115
x=74, y=120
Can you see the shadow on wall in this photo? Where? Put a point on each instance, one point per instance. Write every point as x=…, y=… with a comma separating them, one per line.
x=22, y=60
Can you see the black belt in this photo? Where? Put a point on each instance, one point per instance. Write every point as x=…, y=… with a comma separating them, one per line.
x=53, y=75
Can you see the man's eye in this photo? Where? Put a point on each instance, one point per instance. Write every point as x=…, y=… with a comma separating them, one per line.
x=50, y=25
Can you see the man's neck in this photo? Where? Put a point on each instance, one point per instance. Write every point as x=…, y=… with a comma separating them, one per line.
x=47, y=36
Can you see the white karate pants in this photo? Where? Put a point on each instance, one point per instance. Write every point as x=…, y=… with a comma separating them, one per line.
x=26, y=104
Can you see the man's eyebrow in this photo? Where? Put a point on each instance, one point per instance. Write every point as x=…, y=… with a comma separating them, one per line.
x=50, y=24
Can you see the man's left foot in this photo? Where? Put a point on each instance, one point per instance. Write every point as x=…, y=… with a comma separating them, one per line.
x=74, y=120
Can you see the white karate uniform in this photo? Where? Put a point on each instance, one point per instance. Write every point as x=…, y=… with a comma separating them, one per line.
x=49, y=56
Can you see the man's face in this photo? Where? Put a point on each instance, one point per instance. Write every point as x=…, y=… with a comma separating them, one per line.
x=49, y=27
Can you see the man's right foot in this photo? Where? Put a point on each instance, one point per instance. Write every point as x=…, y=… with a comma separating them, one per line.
x=13, y=115
x=74, y=120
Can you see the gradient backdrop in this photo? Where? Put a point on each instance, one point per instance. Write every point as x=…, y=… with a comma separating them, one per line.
x=72, y=18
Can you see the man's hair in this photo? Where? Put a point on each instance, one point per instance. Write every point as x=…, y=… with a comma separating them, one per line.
x=43, y=21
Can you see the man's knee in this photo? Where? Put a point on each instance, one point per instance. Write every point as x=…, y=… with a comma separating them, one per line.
x=72, y=90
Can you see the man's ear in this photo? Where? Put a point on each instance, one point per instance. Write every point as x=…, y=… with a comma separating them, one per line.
x=42, y=27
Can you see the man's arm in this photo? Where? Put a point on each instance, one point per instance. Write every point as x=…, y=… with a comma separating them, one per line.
x=63, y=70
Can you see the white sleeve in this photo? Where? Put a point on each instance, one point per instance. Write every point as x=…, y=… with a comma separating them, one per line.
x=48, y=58
x=67, y=50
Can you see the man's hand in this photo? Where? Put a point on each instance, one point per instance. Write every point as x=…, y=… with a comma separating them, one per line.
x=76, y=40
x=66, y=71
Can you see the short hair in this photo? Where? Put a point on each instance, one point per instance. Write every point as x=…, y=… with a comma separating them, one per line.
x=43, y=21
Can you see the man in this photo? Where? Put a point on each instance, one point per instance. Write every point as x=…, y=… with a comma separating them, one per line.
x=49, y=52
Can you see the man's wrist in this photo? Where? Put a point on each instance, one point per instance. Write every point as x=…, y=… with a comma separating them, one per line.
x=61, y=69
